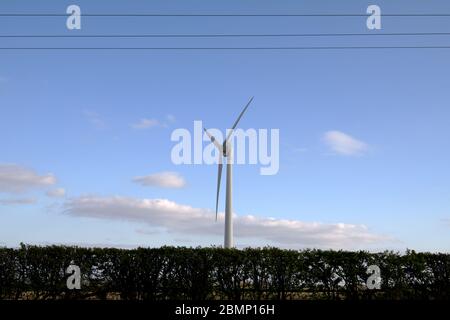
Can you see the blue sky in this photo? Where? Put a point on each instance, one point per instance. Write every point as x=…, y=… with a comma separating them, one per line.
x=66, y=122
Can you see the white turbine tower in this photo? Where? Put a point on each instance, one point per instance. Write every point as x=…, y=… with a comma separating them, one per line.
x=225, y=151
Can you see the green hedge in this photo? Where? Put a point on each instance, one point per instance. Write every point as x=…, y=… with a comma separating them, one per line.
x=32, y=272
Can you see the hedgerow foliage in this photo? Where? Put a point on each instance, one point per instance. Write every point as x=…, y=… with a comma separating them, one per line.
x=32, y=272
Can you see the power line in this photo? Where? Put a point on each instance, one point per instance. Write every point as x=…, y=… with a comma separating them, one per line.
x=228, y=48
x=224, y=15
x=228, y=35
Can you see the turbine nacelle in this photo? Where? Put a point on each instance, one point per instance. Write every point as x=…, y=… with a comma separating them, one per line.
x=226, y=149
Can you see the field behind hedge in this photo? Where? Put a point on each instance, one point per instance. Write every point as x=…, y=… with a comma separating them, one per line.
x=169, y=273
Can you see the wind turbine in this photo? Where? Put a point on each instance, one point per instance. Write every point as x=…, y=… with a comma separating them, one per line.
x=225, y=151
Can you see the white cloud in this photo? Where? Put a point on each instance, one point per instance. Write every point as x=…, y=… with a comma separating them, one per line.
x=94, y=119
x=344, y=144
x=171, y=118
x=162, y=179
x=186, y=220
x=56, y=193
x=18, y=201
x=16, y=179
x=145, y=124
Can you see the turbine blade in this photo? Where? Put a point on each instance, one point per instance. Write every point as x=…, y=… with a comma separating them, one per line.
x=213, y=140
x=238, y=119
x=219, y=177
